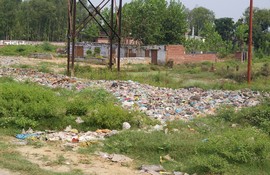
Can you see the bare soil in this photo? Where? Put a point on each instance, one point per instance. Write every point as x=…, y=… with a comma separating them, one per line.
x=54, y=157
x=49, y=158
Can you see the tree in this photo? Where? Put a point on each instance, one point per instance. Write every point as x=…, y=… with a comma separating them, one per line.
x=213, y=41
x=174, y=25
x=91, y=32
x=8, y=10
x=241, y=34
x=261, y=28
x=144, y=20
x=225, y=27
x=199, y=17
x=42, y=20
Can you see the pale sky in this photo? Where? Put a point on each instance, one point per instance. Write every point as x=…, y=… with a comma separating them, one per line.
x=222, y=8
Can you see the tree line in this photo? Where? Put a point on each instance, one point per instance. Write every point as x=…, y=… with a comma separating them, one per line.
x=149, y=21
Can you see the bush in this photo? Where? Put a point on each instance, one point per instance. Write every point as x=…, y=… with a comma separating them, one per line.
x=20, y=49
x=46, y=46
x=89, y=52
x=76, y=107
x=108, y=116
x=97, y=51
x=256, y=116
x=265, y=70
x=25, y=105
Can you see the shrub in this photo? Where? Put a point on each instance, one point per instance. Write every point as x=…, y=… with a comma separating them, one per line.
x=46, y=46
x=108, y=116
x=97, y=51
x=25, y=105
x=76, y=107
x=20, y=49
x=265, y=70
x=89, y=52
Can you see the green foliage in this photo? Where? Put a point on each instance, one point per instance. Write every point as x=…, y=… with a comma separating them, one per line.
x=143, y=19
x=199, y=17
x=20, y=49
x=193, y=45
x=237, y=146
x=26, y=105
x=174, y=25
x=149, y=146
x=241, y=34
x=225, y=27
x=76, y=107
x=261, y=35
x=26, y=50
x=108, y=116
x=44, y=67
x=257, y=116
x=89, y=52
x=97, y=51
x=265, y=70
x=46, y=46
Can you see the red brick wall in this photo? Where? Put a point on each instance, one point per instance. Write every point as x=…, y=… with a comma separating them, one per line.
x=177, y=54
x=174, y=52
x=195, y=58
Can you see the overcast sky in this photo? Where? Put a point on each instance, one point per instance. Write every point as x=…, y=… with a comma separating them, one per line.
x=222, y=8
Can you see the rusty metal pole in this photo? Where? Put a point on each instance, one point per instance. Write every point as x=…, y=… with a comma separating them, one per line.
x=73, y=36
x=119, y=34
x=68, y=39
x=250, y=42
x=111, y=38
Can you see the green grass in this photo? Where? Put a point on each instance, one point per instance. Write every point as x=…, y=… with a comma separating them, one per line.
x=204, y=146
x=26, y=50
x=225, y=75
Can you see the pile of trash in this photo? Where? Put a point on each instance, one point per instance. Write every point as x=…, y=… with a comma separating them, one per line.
x=69, y=137
x=164, y=104
x=171, y=104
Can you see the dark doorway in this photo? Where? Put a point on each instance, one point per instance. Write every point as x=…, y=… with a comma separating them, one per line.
x=147, y=54
x=154, y=57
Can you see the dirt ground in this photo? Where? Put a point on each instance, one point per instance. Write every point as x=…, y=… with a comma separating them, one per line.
x=56, y=160
x=54, y=157
x=7, y=172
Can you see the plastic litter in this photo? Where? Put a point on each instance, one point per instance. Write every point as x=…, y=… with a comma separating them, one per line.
x=126, y=126
x=164, y=104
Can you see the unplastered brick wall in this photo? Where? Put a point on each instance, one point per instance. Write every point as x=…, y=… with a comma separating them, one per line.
x=194, y=58
x=176, y=53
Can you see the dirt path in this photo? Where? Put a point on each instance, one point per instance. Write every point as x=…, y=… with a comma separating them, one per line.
x=57, y=159
x=7, y=172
